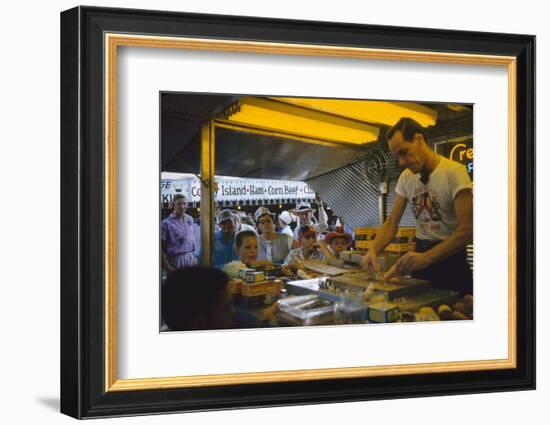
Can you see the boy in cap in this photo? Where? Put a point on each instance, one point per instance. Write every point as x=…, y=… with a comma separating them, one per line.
x=310, y=249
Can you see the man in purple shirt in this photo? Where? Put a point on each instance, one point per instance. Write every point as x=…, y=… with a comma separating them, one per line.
x=176, y=237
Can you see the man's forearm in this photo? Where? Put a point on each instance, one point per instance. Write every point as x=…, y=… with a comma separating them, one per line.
x=450, y=246
x=384, y=237
x=323, y=217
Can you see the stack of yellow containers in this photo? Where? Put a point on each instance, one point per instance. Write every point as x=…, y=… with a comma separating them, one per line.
x=403, y=240
x=364, y=237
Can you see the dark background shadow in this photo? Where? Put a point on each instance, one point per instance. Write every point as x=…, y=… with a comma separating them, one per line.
x=49, y=402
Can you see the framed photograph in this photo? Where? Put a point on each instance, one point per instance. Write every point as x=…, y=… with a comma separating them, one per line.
x=262, y=212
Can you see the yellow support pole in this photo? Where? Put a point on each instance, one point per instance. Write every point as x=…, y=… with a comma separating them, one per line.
x=207, y=193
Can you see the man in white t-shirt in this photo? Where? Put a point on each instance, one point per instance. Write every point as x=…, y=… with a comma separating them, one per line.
x=440, y=193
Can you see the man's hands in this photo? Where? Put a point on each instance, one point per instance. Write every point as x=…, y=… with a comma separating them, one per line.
x=408, y=263
x=317, y=199
x=369, y=262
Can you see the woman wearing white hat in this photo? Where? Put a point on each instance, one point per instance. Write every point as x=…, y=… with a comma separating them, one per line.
x=272, y=246
x=284, y=223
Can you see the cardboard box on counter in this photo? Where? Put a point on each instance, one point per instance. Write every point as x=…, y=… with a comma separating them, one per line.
x=383, y=312
x=261, y=293
x=252, y=275
x=235, y=286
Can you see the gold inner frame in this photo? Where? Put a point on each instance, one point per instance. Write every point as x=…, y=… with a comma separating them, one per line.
x=113, y=41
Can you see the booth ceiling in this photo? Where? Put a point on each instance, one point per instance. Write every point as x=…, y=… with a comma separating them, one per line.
x=279, y=137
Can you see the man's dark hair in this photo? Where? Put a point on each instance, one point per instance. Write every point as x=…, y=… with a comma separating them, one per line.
x=408, y=128
x=178, y=196
x=190, y=293
x=243, y=234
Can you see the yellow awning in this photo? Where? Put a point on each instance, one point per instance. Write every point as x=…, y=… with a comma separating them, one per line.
x=333, y=120
x=281, y=117
x=371, y=111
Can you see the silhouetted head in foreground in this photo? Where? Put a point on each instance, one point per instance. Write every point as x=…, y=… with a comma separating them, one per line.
x=196, y=298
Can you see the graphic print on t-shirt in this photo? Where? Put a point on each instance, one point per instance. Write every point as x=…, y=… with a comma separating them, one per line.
x=433, y=203
x=426, y=208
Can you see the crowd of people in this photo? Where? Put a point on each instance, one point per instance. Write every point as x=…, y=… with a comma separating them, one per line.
x=287, y=238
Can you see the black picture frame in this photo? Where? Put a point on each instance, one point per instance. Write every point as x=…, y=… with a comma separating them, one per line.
x=83, y=392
